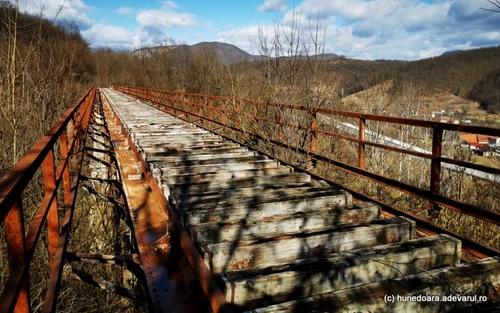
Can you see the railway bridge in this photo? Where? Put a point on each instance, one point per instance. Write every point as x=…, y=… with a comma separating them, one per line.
x=219, y=224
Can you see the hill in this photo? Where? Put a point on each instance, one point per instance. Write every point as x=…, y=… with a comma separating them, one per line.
x=226, y=53
x=451, y=52
x=471, y=75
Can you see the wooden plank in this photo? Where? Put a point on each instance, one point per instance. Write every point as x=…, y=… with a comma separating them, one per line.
x=151, y=132
x=313, y=220
x=470, y=279
x=310, y=277
x=188, y=143
x=250, y=255
x=221, y=185
x=214, y=161
x=249, y=168
x=180, y=139
x=188, y=146
x=202, y=150
x=219, y=173
x=262, y=210
x=247, y=196
x=199, y=157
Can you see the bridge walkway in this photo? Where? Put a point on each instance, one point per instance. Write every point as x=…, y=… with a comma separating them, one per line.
x=272, y=239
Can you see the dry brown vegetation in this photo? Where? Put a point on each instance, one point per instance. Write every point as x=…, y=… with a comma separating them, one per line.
x=44, y=68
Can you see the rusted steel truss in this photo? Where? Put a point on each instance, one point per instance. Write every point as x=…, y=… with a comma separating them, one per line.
x=211, y=112
x=102, y=179
x=69, y=133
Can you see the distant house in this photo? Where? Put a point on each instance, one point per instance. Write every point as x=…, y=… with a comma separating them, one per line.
x=480, y=144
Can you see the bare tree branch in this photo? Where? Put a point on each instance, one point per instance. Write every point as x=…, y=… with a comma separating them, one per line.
x=496, y=3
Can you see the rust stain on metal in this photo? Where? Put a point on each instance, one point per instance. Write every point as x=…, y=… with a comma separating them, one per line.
x=146, y=212
x=69, y=130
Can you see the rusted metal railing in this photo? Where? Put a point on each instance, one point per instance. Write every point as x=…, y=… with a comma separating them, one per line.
x=59, y=169
x=213, y=110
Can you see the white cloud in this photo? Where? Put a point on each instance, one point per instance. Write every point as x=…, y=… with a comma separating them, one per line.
x=73, y=10
x=166, y=17
x=366, y=29
x=154, y=23
x=125, y=11
x=150, y=36
x=242, y=37
x=108, y=35
x=273, y=5
x=409, y=29
x=162, y=18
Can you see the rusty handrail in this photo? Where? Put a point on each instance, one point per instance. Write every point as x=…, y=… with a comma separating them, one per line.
x=69, y=131
x=211, y=109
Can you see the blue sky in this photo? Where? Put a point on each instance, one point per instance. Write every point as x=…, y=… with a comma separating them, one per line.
x=363, y=29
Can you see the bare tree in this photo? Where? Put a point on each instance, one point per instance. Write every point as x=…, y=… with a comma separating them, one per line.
x=496, y=4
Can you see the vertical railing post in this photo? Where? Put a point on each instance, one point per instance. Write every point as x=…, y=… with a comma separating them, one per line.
x=63, y=146
x=16, y=252
x=237, y=106
x=211, y=109
x=49, y=186
x=437, y=145
x=255, y=116
x=312, y=129
x=281, y=133
x=223, y=113
x=361, y=146
x=185, y=107
x=201, y=109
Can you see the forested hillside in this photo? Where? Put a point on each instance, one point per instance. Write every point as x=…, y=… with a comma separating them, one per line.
x=468, y=74
x=43, y=68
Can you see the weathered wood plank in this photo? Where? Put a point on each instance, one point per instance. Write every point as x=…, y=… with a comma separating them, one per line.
x=262, y=210
x=223, y=184
x=470, y=279
x=300, y=223
x=167, y=133
x=310, y=277
x=211, y=169
x=202, y=150
x=248, y=255
x=214, y=161
x=180, y=139
x=247, y=196
x=219, y=174
x=199, y=157
x=228, y=212
x=166, y=143
x=187, y=146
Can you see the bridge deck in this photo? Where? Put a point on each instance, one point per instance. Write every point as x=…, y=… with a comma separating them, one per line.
x=273, y=238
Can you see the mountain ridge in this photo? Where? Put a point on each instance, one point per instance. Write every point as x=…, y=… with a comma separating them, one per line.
x=227, y=53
